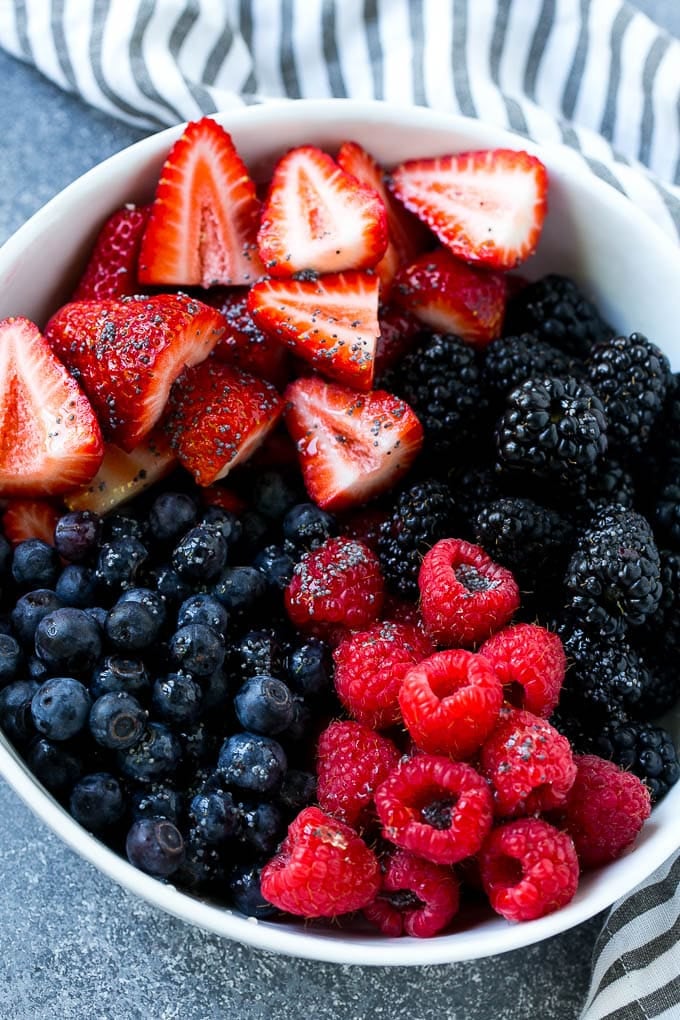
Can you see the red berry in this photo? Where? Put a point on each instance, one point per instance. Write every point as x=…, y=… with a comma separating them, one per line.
x=605, y=810
x=530, y=663
x=417, y=897
x=351, y=760
x=322, y=869
x=529, y=868
x=464, y=595
x=370, y=666
x=450, y=702
x=528, y=763
x=335, y=588
x=436, y=808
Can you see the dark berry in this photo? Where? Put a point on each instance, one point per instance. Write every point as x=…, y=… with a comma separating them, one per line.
x=199, y=745
x=157, y=801
x=239, y=589
x=273, y=494
x=667, y=510
x=36, y=669
x=60, y=708
x=170, y=585
x=226, y=522
x=171, y=514
x=68, y=640
x=264, y=705
x=306, y=526
x=118, y=673
x=30, y=610
x=121, y=525
x=97, y=801
x=309, y=668
x=54, y=765
x=16, y=719
x=77, y=535
x=176, y=699
x=276, y=566
x=262, y=827
x=117, y=720
x=5, y=556
x=510, y=360
x=11, y=658
x=644, y=749
x=156, y=756
x=258, y=652
x=77, y=586
x=201, y=554
x=35, y=564
x=555, y=310
x=120, y=560
x=245, y=892
x=255, y=530
x=98, y=615
x=202, y=869
x=298, y=729
x=530, y=540
x=197, y=649
x=422, y=515
x=205, y=609
x=130, y=627
x=298, y=790
x=249, y=761
x=216, y=816
x=216, y=693
x=153, y=601
x=156, y=846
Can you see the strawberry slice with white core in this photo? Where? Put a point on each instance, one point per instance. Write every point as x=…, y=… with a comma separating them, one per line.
x=111, y=270
x=122, y=476
x=50, y=439
x=452, y=297
x=486, y=206
x=351, y=446
x=24, y=519
x=331, y=322
x=202, y=227
x=318, y=217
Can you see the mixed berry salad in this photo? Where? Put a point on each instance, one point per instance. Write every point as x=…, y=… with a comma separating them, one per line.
x=340, y=564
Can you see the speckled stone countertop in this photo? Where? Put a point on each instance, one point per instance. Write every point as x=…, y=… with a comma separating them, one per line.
x=73, y=944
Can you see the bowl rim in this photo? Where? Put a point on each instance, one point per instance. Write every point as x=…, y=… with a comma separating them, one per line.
x=659, y=843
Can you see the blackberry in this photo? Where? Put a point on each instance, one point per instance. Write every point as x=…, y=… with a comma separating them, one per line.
x=510, y=360
x=659, y=641
x=630, y=376
x=555, y=310
x=671, y=418
x=646, y=750
x=421, y=518
x=552, y=428
x=608, y=483
x=475, y=487
x=667, y=510
x=530, y=540
x=614, y=577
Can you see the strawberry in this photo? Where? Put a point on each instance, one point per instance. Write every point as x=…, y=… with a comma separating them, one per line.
x=50, y=439
x=398, y=332
x=217, y=418
x=486, y=206
x=406, y=235
x=244, y=344
x=351, y=446
x=451, y=297
x=111, y=271
x=318, y=217
x=126, y=354
x=29, y=518
x=203, y=222
x=331, y=322
x=122, y=476
x=225, y=499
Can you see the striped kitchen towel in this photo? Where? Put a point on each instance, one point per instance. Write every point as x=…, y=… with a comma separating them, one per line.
x=594, y=74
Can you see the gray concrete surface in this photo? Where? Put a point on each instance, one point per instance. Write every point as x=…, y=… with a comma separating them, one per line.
x=73, y=945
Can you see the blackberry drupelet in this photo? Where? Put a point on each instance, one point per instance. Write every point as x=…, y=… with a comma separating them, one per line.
x=631, y=377
x=613, y=579
x=553, y=428
x=555, y=310
x=667, y=510
x=422, y=516
x=644, y=749
x=510, y=360
x=529, y=539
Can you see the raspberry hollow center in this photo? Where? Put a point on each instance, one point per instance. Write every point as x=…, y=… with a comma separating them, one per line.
x=438, y=813
x=472, y=579
x=403, y=900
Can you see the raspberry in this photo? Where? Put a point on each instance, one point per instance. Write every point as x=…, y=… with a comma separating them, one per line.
x=465, y=596
x=417, y=897
x=436, y=808
x=351, y=760
x=530, y=663
x=335, y=588
x=605, y=810
x=529, y=868
x=450, y=702
x=528, y=763
x=421, y=516
x=370, y=666
x=322, y=869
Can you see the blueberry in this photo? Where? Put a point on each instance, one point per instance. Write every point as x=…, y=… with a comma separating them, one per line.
x=11, y=658
x=264, y=705
x=204, y=609
x=216, y=816
x=309, y=669
x=246, y=894
x=118, y=673
x=306, y=526
x=273, y=494
x=252, y=762
x=77, y=586
x=258, y=652
x=156, y=756
x=255, y=530
x=68, y=640
x=16, y=719
x=77, y=535
x=240, y=588
x=151, y=600
x=117, y=720
x=30, y=610
x=155, y=845
x=130, y=626
x=262, y=827
x=97, y=801
x=176, y=699
x=120, y=561
x=203, y=865
x=54, y=765
x=299, y=727
x=216, y=692
x=36, y=669
x=199, y=745
x=98, y=614
x=201, y=555
x=171, y=514
x=35, y=564
x=276, y=567
x=226, y=522
x=118, y=525
x=197, y=649
x=5, y=556
x=157, y=801
x=298, y=790
x=170, y=585
x=5, y=624
x=60, y=708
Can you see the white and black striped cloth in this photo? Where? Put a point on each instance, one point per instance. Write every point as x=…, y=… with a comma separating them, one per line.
x=596, y=75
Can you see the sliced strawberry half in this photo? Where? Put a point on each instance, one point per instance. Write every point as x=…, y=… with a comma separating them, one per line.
x=351, y=446
x=217, y=418
x=203, y=223
x=29, y=518
x=406, y=234
x=122, y=476
x=486, y=206
x=50, y=439
x=452, y=297
x=127, y=354
x=318, y=217
x=331, y=322
x=244, y=344
x=111, y=271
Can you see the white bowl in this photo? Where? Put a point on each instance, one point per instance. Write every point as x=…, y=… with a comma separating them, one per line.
x=592, y=232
